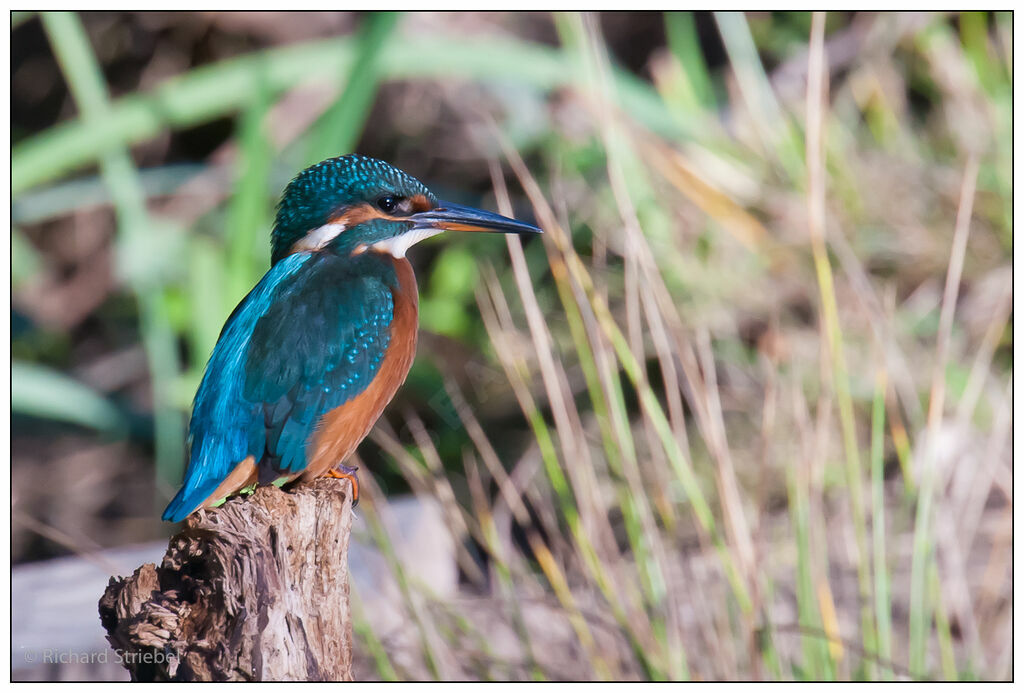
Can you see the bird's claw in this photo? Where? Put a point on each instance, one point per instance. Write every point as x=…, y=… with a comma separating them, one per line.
x=343, y=471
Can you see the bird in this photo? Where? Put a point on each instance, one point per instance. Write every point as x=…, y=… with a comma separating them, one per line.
x=309, y=359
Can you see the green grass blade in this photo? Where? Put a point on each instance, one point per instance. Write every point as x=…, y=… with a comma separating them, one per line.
x=135, y=231
x=372, y=644
x=681, y=31
x=212, y=91
x=943, y=632
x=768, y=117
x=883, y=604
x=249, y=211
x=58, y=199
x=815, y=650
x=25, y=260
x=829, y=307
x=338, y=130
x=46, y=393
x=206, y=316
x=382, y=540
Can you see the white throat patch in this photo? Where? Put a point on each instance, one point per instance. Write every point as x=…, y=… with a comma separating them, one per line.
x=397, y=245
x=318, y=238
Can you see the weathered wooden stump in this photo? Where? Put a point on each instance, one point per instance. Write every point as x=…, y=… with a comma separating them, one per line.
x=256, y=590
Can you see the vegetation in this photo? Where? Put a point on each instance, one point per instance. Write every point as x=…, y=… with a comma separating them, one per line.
x=742, y=412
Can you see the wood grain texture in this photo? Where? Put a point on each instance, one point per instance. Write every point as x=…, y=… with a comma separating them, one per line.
x=256, y=590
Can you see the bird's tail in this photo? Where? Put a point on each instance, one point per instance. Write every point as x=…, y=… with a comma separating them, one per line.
x=189, y=498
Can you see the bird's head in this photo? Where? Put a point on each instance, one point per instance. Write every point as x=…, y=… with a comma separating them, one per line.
x=354, y=203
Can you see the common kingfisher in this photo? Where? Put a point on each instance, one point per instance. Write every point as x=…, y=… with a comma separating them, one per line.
x=308, y=360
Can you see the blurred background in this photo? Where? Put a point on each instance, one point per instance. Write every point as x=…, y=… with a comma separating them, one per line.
x=742, y=413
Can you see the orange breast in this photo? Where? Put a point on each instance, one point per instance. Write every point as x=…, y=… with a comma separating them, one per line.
x=342, y=429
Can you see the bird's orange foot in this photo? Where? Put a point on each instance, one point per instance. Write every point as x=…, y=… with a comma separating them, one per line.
x=345, y=472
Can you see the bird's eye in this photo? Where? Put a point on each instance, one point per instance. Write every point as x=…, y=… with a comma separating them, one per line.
x=388, y=203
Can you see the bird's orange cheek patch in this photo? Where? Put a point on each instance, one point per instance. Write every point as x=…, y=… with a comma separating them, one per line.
x=363, y=212
x=355, y=215
x=420, y=203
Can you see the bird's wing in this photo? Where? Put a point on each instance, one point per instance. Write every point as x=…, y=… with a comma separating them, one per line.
x=304, y=341
x=312, y=353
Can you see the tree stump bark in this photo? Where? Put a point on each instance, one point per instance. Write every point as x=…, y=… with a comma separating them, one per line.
x=255, y=590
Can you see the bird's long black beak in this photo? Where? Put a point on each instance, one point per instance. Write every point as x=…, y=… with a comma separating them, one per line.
x=448, y=216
